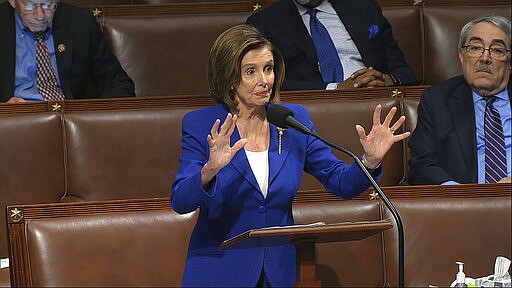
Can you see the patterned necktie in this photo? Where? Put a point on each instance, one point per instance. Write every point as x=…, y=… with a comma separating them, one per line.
x=495, y=157
x=330, y=64
x=46, y=77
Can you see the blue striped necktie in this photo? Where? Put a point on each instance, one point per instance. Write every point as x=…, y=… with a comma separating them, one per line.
x=330, y=64
x=495, y=156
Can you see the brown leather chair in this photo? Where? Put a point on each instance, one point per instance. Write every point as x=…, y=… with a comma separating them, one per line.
x=410, y=108
x=441, y=231
x=442, y=25
x=336, y=121
x=406, y=23
x=112, y=243
x=32, y=162
x=167, y=54
x=122, y=154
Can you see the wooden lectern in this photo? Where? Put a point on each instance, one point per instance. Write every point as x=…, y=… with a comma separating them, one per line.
x=305, y=237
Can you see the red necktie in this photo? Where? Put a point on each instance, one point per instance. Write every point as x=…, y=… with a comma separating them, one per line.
x=46, y=77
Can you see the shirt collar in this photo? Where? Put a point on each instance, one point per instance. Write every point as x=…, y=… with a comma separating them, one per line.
x=503, y=95
x=324, y=6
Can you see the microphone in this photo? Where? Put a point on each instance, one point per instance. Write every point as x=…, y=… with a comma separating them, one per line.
x=283, y=117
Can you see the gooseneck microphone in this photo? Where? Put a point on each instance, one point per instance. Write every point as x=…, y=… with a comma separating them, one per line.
x=283, y=117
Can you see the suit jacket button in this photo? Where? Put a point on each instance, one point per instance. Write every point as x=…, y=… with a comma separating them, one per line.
x=262, y=209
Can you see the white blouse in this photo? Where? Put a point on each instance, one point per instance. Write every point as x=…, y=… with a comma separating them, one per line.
x=260, y=169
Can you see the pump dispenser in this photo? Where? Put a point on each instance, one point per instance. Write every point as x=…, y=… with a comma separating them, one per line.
x=461, y=277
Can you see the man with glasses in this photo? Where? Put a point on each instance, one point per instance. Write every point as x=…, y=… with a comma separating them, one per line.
x=54, y=51
x=463, y=133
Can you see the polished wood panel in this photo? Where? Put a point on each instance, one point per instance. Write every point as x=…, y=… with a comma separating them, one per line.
x=407, y=191
x=201, y=100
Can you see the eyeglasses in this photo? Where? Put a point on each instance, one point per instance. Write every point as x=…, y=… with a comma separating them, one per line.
x=497, y=53
x=45, y=6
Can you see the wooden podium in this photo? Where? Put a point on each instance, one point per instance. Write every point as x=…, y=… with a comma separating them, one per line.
x=305, y=237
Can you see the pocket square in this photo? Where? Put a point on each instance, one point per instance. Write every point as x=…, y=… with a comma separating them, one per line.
x=373, y=31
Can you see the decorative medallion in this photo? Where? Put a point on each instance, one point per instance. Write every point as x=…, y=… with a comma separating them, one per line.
x=374, y=195
x=396, y=93
x=96, y=12
x=256, y=7
x=56, y=107
x=16, y=215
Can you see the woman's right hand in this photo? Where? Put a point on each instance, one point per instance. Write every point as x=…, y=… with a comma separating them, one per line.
x=221, y=151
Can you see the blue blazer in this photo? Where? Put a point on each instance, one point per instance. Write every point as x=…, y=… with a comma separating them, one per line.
x=233, y=202
x=283, y=25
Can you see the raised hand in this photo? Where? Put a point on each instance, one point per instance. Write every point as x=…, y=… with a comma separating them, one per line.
x=382, y=136
x=221, y=151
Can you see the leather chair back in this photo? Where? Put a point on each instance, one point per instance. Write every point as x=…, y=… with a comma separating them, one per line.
x=337, y=124
x=478, y=230
x=140, y=242
x=442, y=29
x=122, y=154
x=32, y=162
x=406, y=23
x=167, y=54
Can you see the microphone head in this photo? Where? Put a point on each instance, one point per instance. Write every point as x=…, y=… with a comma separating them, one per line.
x=276, y=114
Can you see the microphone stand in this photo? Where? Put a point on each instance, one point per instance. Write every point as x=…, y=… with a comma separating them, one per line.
x=385, y=199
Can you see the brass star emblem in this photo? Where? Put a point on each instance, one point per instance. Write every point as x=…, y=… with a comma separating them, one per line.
x=374, y=195
x=396, y=93
x=56, y=107
x=96, y=12
x=256, y=7
x=16, y=215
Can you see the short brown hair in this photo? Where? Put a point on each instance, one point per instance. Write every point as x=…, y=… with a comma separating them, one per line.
x=224, y=63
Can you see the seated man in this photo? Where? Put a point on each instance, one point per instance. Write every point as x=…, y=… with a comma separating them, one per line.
x=463, y=132
x=52, y=51
x=334, y=44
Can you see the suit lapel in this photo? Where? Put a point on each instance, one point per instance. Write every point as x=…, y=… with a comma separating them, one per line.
x=241, y=163
x=63, y=43
x=510, y=92
x=289, y=18
x=462, y=109
x=276, y=160
x=7, y=51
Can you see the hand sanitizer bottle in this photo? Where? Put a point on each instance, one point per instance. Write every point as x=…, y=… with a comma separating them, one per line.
x=461, y=277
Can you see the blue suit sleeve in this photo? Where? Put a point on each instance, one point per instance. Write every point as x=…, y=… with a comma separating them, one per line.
x=187, y=192
x=338, y=177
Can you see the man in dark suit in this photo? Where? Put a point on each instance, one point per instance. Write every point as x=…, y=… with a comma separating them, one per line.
x=77, y=49
x=360, y=33
x=449, y=143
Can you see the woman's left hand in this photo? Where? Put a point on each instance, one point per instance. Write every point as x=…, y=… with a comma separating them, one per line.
x=381, y=138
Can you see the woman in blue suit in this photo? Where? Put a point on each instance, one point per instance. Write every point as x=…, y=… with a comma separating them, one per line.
x=244, y=173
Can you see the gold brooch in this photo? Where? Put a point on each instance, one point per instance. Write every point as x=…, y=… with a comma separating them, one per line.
x=280, y=139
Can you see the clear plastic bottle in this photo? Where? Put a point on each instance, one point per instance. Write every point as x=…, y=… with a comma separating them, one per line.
x=461, y=277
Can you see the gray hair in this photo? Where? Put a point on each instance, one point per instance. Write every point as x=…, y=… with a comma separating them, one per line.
x=499, y=21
